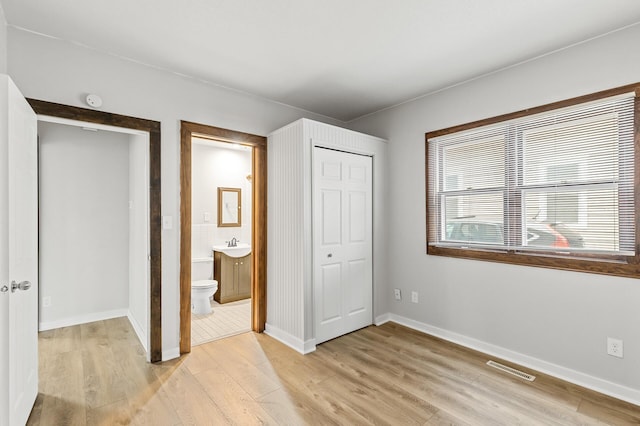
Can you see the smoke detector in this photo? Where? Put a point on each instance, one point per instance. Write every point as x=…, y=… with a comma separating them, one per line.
x=94, y=101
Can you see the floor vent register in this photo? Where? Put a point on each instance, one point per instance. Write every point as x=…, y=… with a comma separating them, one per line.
x=511, y=371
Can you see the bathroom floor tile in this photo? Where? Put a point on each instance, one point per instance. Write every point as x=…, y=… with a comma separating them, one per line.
x=226, y=320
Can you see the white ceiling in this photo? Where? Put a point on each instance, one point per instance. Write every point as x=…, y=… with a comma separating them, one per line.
x=340, y=58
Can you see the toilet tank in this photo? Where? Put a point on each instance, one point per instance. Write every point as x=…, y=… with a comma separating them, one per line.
x=202, y=268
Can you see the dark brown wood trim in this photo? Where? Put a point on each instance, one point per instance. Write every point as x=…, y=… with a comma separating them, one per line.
x=185, y=239
x=155, y=226
x=259, y=222
x=259, y=239
x=625, y=266
x=537, y=110
x=620, y=268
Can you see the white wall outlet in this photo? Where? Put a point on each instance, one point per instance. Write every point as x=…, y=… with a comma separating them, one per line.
x=397, y=294
x=46, y=301
x=414, y=296
x=207, y=216
x=615, y=347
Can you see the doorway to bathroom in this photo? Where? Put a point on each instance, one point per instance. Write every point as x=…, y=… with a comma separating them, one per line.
x=222, y=233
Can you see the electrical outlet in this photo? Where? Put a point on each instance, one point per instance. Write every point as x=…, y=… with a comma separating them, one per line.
x=414, y=296
x=615, y=347
x=46, y=301
x=397, y=294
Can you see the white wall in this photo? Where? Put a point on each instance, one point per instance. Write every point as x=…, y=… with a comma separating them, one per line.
x=211, y=168
x=57, y=71
x=3, y=42
x=139, y=236
x=554, y=320
x=84, y=224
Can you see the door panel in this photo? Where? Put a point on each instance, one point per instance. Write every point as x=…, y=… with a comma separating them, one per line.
x=19, y=306
x=357, y=217
x=358, y=286
x=331, y=218
x=330, y=290
x=342, y=231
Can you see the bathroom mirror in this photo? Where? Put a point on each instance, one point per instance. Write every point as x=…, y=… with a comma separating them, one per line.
x=229, y=207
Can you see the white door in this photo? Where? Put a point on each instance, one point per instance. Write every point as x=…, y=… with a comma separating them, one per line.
x=342, y=247
x=18, y=256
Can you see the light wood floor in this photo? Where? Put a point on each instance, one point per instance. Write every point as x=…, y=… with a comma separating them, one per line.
x=95, y=374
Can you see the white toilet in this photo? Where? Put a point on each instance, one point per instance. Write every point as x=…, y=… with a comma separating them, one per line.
x=203, y=286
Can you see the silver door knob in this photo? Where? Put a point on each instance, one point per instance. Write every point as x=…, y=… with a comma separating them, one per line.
x=329, y=255
x=4, y=289
x=22, y=285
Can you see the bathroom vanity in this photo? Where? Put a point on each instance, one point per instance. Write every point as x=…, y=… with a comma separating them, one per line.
x=233, y=275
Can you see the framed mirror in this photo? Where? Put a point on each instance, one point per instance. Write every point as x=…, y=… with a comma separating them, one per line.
x=229, y=207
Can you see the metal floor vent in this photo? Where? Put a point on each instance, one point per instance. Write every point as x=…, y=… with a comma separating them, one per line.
x=512, y=371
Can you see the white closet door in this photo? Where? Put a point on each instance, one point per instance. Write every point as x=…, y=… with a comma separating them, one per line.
x=342, y=243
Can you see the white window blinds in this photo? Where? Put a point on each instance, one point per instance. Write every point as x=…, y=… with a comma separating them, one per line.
x=560, y=181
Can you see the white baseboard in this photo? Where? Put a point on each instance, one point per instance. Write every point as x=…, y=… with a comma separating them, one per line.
x=170, y=354
x=82, y=319
x=381, y=319
x=304, y=347
x=142, y=336
x=576, y=377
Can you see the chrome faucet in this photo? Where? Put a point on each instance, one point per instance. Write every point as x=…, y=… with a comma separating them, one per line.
x=233, y=242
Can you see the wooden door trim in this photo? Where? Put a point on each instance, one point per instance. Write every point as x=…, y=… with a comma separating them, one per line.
x=155, y=221
x=258, y=218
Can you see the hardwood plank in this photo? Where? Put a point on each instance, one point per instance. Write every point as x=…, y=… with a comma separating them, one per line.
x=65, y=339
x=442, y=418
x=64, y=401
x=94, y=334
x=116, y=413
x=102, y=377
x=198, y=360
x=255, y=381
x=415, y=407
x=286, y=410
x=370, y=402
x=377, y=375
x=232, y=399
x=615, y=412
x=119, y=331
x=193, y=405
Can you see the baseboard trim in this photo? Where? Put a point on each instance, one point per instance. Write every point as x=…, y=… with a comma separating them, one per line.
x=82, y=319
x=304, y=347
x=170, y=354
x=142, y=336
x=381, y=319
x=576, y=377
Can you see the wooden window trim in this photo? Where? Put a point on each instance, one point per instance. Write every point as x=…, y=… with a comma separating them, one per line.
x=616, y=265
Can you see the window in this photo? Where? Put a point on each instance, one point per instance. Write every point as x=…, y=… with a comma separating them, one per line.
x=552, y=186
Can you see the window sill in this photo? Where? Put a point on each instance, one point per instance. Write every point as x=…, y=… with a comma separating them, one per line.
x=621, y=266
